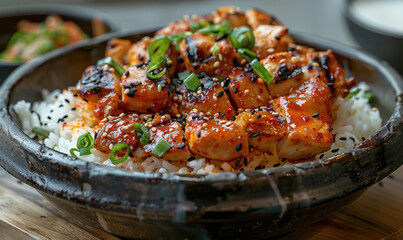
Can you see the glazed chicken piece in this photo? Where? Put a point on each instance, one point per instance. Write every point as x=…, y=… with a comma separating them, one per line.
x=256, y=18
x=117, y=49
x=270, y=39
x=264, y=127
x=141, y=94
x=196, y=54
x=307, y=111
x=117, y=130
x=231, y=14
x=246, y=90
x=108, y=105
x=216, y=138
x=138, y=54
x=210, y=99
x=98, y=81
x=173, y=134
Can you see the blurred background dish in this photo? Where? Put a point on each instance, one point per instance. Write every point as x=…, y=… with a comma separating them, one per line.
x=92, y=23
x=377, y=25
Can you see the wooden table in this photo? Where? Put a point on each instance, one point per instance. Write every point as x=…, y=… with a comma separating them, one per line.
x=377, y=214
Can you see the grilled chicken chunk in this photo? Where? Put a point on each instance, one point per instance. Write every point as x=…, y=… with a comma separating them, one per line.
x=209, y=99
x=231, y=14
x=307, y=111
x=98, y=81
x=256, y=18
x=117, y=49
x=141, y=94
x=270, y=39
x=117, y=130
x=215, y=138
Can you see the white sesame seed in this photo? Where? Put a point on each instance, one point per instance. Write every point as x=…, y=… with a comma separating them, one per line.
x=220, y=56
x=260, y=98
x=241, y=109
x=215, y=79
x=270, y=50
x=176, y=98
x=110, y=118
x=228, y=123
x=159, y=88
x=282, y=60
x=246, y=91
x=126, y=91
x=294, y=59
x=222, y=84
x=194, y=94
x=215, y=98
x=204, y=125
x=194, y=110
x=199, y=91
x=163, y=117
x=122, y=114
x=216, y=64
x=153, y=129
x=208, y=113
x=315, y=64
x=104, y=134
x=180, y=97
x=216, y=115
x=206, y=118
x=112, y=70
x=243, y=61
x=111, y=146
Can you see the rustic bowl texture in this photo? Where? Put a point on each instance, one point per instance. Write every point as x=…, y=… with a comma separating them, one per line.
x=247, y=205
x=9, y=19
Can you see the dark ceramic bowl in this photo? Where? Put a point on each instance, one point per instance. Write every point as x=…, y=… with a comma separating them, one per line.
x=247, y=205
x=385, y=45
x=9, y=17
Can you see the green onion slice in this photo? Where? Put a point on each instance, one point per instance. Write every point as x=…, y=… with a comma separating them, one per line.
x=161, y=148
x=41, y=132
x=261, y=71
x=158, y=47
x=84, y=145
x=72, y=152
x=116, y=150
x=247, y=54
x=353, y=93
x=217, y=30
x=177, y=38
x=215, y=49
x=155, y=64
x=183, y=75
x=194, y=26
x=142, y=132
x=109, y=61
x=369, y=96
x=192, y=82
x=242, y=37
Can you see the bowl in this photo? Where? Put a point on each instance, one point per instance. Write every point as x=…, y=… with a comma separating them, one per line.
x=83, y=17
x=239, y=205
x=385, y=44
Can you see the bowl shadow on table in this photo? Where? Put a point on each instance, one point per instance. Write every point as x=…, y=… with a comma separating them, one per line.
x=133, y=204
x=83, y=17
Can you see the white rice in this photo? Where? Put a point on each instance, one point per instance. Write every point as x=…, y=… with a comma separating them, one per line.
x=356, y=121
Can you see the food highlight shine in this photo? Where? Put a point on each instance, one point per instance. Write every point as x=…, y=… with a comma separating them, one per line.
x=230, y=91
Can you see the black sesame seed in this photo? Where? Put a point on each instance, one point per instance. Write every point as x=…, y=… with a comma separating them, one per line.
x=284, y=159
x=235, y=90
x=237, y=162
x=61, y=105
x=254, y=78
x=283, y=65
x=51, y=110
x=256, y=134
x=49, y=117
x=315, y=115
x=277, y=38
x=65, y=116
x=252, y=111
x=321, y=156
x=318, y=76
x=225, y=88
x=198, y=133
x=184, y=139
x=343, y=138
x=127, y=86
x=127, y=73
x=131, y=92
x=238, y=147
x=223, y=115
x=181, y=146
x=75, y=95
x=352, y=139
x=258, y=115
x=363, y=138
x=194, y=117
x=73, y=109
x=191, y=158
x=245, y=161
x=330, y=84
x=276, y=165
x=139, y=65
x=220, y=94
x=66, y=100
x=335, y=150
x=85, y=100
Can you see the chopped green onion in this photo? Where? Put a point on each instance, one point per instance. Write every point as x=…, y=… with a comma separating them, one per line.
x=215, y=49
x=242, y=37
x=353, y=93
x=156, y=63
x=369, y=96
x=177, y=38
x=46, y=47
x=158, y=47
x=116, y=150
x=84, y=145
x=194, y=26
x=217, y=30
x=72, y=152
x=226, y=25
x=261, y=71
x=40, y=132
x=247, y=54
x=142, y=132
x=15, y=37
x=183, y=75
x=192, y=82
x=161, y=148
x=109, y=61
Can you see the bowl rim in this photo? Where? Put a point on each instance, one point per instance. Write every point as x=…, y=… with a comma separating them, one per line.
x=349, y=15
x=76, y=12
x=67, y=161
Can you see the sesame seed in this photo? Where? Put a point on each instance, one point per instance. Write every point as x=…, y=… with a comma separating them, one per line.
x=245, y=161
x=215, y=79
x=72, y=109
x=153, y=129
x=223, y=115
x=237, y=162
x=198, y=133
x=335, y=150
x=220, y=94
x=180, y=97
x=315, y=115
x=208, y=113
x=66, y=100
x=159, y=88
x=343, y=138
x=131, y=92
x=104, y=134
x=256, y=134
x=178, y=115
x=283, y=65
x=246, y=91
x=126, y=91
x=294, y=59
x=235, y=89
x=194, y=110
x=243, y=61
x=254, y=78
x=258, y=115
x=181, y=146
x=127, y=73
x=216, y=115
x=228, y=123
x=352, y=139
x=220, y=56
x=111, y=146
x=260, y=98
x=238, y=147
x=215, y=98
x=282, y=60
x=276, y=165
x=49, y=117
x=216, y=64
x=110, y=118
x=284, y=159
x=204, y=125
x=315, y=64
x=199, y=91
x=191, y=158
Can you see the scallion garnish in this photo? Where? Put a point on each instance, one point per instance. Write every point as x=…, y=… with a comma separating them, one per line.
x=177, y=38
x=84, y=145
x=156, y=63
x=247, y=54
x=242, y=37
x=40, y=132
x=109, y=61
x=194, y=26
x=183, y=75
x=158, y=47
x=262, y=72
x=142, y=132
x=116, y=150
x=192, y=82
x=161, y=148
x=215, y=49
x=353, y=93
x=217, y=30
x=369, y=96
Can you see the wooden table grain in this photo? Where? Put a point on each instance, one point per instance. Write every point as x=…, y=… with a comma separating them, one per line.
x=377, y=214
